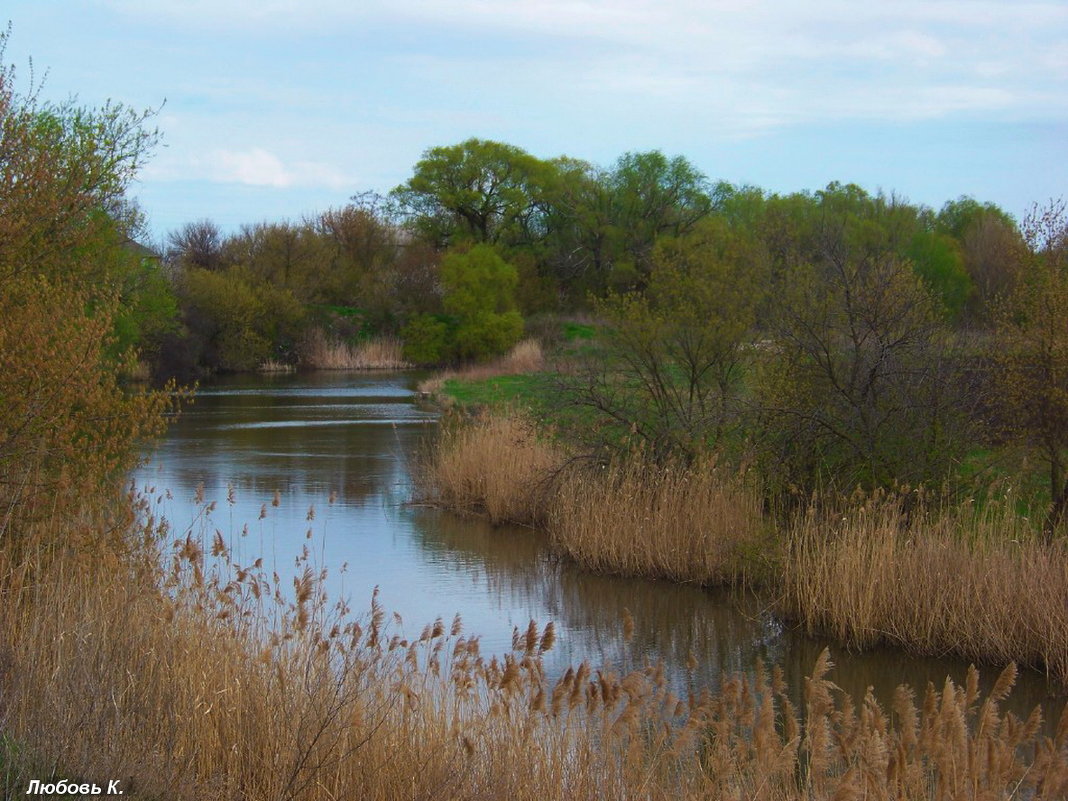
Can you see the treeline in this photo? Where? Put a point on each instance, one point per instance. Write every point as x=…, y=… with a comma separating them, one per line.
x=484, y=236
x=840, y=340
x=834, y=338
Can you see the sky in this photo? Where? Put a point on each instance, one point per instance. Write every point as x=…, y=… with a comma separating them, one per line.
x=274, y=110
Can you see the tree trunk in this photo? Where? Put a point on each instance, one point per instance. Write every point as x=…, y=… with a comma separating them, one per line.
x=1058, y=500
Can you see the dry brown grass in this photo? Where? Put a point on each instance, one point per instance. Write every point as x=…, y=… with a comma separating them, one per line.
x=206, y=681
x=686, y=523
x=497, y=466
x=321, y=353
x=526, y=357
x=697, y=524
x=976, y=583
x=275, y=366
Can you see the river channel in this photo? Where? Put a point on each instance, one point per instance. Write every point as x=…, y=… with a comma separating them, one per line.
x=355, y=438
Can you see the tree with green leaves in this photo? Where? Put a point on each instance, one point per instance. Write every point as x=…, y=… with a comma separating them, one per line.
x=937, y=259
x=655, y=196
x=601, y=225
x=478, y=191
x=857, y=382
x=668, y=375
x=480, y=295
x=236, y=320
x=480, y=318
x=991, y=248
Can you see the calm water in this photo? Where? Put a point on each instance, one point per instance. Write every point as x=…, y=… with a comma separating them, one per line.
x=357, y=437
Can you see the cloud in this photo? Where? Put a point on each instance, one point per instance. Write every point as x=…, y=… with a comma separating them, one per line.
x=255, y=166
x=754, y=65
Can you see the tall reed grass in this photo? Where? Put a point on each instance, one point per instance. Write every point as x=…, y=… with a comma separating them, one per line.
x=687, y=523
x=975, y=582
x=211, y=680
x=320, y=352
x=498, y=466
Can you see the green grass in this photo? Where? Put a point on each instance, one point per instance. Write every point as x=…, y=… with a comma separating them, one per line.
x=993, y=469
x=573, y=331
x=532, y=391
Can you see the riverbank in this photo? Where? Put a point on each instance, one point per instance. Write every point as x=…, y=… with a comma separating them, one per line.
x=206, y=678
x=977, y=582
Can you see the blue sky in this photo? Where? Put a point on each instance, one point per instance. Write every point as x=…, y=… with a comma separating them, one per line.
x=275, y=110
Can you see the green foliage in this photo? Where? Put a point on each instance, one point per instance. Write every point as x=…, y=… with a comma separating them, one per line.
x=487, y=334
x=959, y=216
x=655, y=196
x=480, y=295
x=937, y=259
x=67, y=427
x=601, y=225
x=668, y=373
x=148, y=308
x=477, y=280
x=240, y=321
x=426, y=340
x=476, y=191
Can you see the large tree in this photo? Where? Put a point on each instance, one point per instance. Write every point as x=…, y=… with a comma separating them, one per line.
x=476, y=191
x=855, y=379
x=602, y=224
x=990, y=246
x=655, y=196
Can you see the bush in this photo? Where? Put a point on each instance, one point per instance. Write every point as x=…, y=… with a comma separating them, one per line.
x=480, y=293
x=426, y=340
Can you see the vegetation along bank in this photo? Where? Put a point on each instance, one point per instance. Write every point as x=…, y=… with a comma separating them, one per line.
x=835, y=391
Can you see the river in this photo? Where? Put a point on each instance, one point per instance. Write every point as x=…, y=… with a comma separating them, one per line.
x=344, y=446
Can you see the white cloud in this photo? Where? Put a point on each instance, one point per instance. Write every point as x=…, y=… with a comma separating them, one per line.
x=840, y=52
x=254, y=166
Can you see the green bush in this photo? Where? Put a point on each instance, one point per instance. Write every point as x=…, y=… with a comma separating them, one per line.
x=426, y=340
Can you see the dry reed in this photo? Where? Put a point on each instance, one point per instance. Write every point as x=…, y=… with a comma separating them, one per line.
x=497, y=466
x=275, y=366
x=697, y=524
x=686, y=523
x=321, y=353
x=209, y=680
x=977, y=583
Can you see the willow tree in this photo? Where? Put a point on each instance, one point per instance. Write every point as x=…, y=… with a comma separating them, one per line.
x=478, y=191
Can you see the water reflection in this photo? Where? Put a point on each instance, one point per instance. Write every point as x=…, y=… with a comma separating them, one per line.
x=354, y=437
